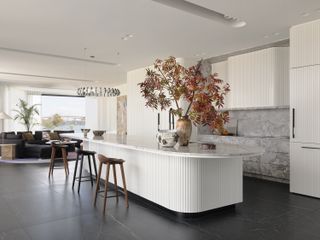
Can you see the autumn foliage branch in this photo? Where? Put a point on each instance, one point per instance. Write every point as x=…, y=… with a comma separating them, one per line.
x=169, y=82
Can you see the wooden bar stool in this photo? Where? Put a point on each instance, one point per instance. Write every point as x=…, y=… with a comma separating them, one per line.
x=54, y=148
x=90, y=156
x=110, y=162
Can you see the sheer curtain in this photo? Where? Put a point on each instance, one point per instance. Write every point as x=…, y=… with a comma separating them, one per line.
x=34, y=97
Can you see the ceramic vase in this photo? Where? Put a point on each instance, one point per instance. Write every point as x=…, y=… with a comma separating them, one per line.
x=184, y=130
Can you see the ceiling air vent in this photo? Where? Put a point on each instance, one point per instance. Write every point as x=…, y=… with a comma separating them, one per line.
x=203, y=12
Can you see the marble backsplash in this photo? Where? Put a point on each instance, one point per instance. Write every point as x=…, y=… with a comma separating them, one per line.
x=267, y=128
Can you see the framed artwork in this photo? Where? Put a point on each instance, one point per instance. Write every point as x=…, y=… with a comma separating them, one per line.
x=122, y=115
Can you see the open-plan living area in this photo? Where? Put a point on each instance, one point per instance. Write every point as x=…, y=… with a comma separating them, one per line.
x=160, y=119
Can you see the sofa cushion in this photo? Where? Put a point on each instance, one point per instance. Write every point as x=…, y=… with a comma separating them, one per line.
x=54, y=136
x=27, y=136
x=4, y=134
x=39, y=135
x=13, y=136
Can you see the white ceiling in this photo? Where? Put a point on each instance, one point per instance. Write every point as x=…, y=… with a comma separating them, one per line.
x=66, y=27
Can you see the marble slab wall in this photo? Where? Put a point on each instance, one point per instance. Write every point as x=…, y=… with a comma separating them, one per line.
x=268, y=128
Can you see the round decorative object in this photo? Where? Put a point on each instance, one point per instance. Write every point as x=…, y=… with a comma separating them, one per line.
x=167, y=138
x=207, y=146
x=98, y=133
x=184, y=130
x=85, y=131
x=98, y=138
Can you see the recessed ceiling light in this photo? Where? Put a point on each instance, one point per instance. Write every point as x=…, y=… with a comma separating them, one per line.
x=306, y=14
x=239, y=24
x=127, y=36
x=266, y=36
x=276, y=34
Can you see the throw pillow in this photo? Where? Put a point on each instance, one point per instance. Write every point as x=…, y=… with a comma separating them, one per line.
x=45, y=135
x=27, y=136
x=54, y=136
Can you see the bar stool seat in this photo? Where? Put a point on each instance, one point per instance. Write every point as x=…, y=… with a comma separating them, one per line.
x=54, y=148
x=85, y=152
x=90, y=156
x=110, y=162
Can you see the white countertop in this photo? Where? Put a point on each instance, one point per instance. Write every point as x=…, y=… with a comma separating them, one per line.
x=150, y=145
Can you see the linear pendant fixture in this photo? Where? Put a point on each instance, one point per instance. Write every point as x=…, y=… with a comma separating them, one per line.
x=98, y=92
x=203, y=12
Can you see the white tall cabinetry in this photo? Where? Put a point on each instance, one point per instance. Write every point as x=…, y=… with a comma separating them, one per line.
x=305, y=109
x=257, y=79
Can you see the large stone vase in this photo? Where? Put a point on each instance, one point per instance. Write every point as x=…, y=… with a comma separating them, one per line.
x=184, y=130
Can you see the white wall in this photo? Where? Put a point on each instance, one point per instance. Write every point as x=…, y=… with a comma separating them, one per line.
x=142, y=121
x=2, y=104
x=101, y=112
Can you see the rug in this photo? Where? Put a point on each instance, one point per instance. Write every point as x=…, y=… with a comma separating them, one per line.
x=71, y=157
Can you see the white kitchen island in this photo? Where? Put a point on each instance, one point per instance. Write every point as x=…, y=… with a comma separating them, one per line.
x=181, y=179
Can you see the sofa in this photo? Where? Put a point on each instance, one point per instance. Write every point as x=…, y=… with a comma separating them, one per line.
x=35, y=148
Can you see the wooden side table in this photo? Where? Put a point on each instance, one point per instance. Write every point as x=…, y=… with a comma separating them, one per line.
x=8, y=151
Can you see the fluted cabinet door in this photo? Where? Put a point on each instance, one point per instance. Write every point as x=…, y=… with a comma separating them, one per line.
x=305, y=169
x=304, y=44
x=259, y=79
x=305, y=104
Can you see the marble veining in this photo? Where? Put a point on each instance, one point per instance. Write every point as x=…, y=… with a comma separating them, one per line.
x=266, y=128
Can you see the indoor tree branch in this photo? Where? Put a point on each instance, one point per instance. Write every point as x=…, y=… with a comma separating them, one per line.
x=170, y=91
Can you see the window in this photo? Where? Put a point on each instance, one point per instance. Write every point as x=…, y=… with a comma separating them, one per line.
x=62, y=112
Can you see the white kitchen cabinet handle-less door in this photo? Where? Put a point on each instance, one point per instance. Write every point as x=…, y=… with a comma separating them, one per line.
x=304, y=44
x=305, y=104
x=305, y=169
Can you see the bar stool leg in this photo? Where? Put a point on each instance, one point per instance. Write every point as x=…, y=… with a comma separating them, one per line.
x=97, y=182
x=106, y=188
x=65, y=161
x=80, y=173
x=75, y=171
x=95, y=166
x=124, y=184
x=53, y=154
x=90, y=170
x=115, y=181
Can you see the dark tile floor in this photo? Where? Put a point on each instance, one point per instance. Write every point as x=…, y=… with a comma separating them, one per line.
x=32, y=207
